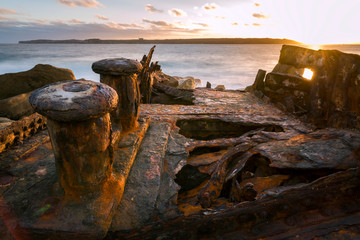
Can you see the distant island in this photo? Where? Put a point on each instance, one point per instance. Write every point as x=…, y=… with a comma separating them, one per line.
x=167, y=41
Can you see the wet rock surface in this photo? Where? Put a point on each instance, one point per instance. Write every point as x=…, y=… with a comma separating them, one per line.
x=175, y=81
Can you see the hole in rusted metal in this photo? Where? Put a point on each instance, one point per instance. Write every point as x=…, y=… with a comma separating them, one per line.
x=207, y=149
x=190, y=177
x=209, y=129
x=16, y=140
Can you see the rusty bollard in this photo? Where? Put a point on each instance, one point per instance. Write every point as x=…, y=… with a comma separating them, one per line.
x=121, y=74
x=79, y=126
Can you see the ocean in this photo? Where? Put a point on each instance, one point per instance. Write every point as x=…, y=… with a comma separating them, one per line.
x=232, y=65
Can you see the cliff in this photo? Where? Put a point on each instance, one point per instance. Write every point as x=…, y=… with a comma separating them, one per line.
x=167, y=41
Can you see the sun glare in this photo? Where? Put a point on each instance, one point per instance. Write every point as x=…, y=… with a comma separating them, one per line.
x=308, y=74
x=314, y=46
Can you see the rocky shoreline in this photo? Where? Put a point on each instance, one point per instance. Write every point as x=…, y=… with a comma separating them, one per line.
x=278, y=161
x=14, y=103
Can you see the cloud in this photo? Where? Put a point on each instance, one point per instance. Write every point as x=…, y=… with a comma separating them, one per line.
x=76, y=21
x=177, y=12
x=157, y=23
x=218, y=17
x=81, y=3
x=12, y=31
x=101, y=17
x=210, y=6
x=4, y=11
x=235, y=24
x=130, y=25
x=123, y=26
x=259, y=15
x=177, y=28
x=257, y=4
x=4, y=18
x=57, y=22
x=253, y=24
x=150, y=8
x=202, y=24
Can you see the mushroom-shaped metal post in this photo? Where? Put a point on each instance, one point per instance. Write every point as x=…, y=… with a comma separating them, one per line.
x=79, y=126
x=121, y=74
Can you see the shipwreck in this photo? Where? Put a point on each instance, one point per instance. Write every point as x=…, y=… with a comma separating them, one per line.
x=134, y=158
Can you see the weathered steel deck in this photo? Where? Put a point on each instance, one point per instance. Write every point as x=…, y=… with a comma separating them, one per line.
x=177, y=152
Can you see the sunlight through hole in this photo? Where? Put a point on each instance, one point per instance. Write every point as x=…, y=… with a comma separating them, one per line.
x=308, y=74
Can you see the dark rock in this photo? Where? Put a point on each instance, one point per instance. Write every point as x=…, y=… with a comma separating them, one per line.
x=208, y=85
x=160, y=77
x=4, y=122
x=13, y=84
x=188, y=83
x=220, y=88
x=16, y=107
x=164, y=94
x=259, y=80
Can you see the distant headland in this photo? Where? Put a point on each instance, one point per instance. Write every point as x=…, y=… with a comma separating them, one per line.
x=167, y=41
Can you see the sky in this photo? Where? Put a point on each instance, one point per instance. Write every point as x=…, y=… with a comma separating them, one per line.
x=306, y=21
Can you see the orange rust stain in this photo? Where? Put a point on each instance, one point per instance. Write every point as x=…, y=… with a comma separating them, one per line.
x=188, y=195
x=188, y=209
x=263, y=183
x=209, y=169
x=110, y=187
x=206, y=159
